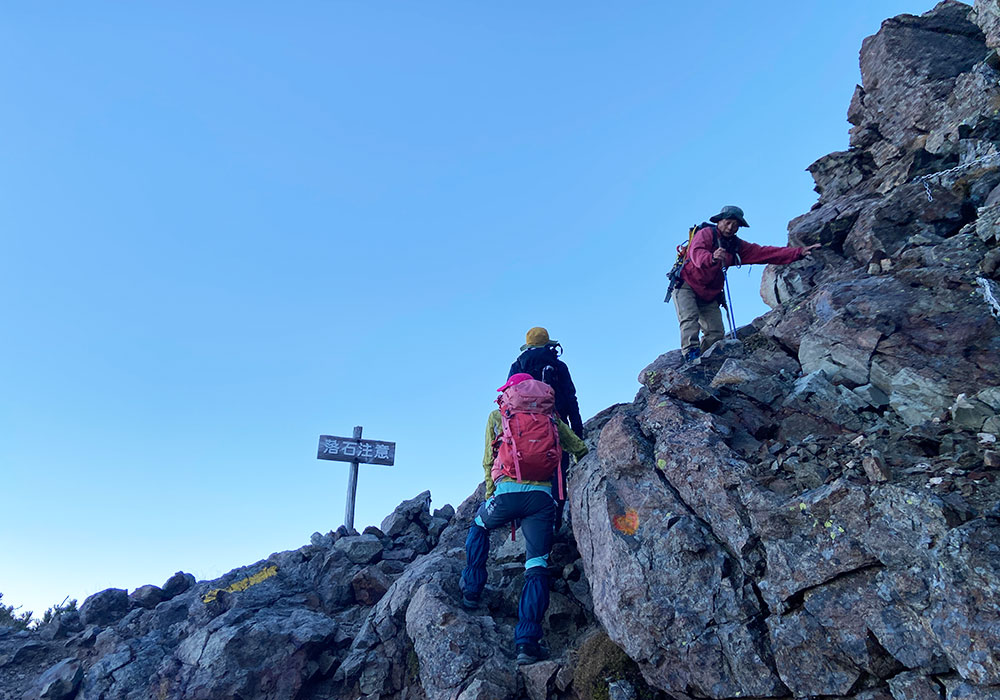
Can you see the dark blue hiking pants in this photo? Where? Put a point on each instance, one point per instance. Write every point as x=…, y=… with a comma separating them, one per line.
x=536, y=510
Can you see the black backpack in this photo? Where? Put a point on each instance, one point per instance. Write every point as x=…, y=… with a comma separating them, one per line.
x=540, y=363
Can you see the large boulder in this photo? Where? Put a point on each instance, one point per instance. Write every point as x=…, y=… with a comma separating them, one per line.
x=105, y=608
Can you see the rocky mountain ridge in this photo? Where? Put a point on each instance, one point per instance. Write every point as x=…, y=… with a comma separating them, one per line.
x=810, y=509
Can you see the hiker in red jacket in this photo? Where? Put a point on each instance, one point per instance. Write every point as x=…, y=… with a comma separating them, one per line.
x=700, y=292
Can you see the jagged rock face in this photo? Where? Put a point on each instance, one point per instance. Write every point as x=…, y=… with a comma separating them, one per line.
x=762, y=547
x=827, y=523
x=275, y=629
x=809, y=509
x=372, y=615
x=988, y=17
x=907, y=69
x=418, y=642
x=928, y=99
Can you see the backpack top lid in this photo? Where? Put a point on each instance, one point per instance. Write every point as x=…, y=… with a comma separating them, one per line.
x=515, y=379
x=528, y=396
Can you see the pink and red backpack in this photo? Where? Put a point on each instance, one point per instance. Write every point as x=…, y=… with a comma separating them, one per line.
x=529, y=448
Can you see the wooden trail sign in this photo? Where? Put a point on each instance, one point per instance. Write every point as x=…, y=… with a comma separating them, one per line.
x=355, y=450
x=343, y=449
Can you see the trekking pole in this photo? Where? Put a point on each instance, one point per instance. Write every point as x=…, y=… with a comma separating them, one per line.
x=731, y=317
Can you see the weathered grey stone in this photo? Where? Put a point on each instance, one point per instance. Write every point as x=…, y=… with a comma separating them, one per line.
x=990, y=396
x=965, y=602
x=62, y=625
x=652, y=374
x=748, y=378
x=148, y=596
x=399, y=554
x=842, y=351
x=436, y=527
x=646, y=558
x=987, y=16
x=958, y=689
x=916, y=398
x=814, y=394
x=105, y=608
x=445, y=667
x=370, y=584
x=812, y=538
x=808, y=662
x=539, y=679
x=872, y=395
x=970, y=413
x=360, y=549
x=59, y=682
x=448, y=512
x=875, y=467
x=911, y=64
x=405, y=513
x=321, y=540
x=179, y=583
x=483, y=689
x=914, y=686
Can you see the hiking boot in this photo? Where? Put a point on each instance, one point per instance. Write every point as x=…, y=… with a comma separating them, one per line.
x=531, y=652
x=693, y=354
x=469, y=603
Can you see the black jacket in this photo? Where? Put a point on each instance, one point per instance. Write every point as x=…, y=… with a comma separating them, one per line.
x=543, y=364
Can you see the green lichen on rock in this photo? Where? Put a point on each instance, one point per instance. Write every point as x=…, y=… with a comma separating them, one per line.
x=599, y=662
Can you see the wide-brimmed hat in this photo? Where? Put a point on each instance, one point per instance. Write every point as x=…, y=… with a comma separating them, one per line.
x=537, y=337
x=730, y=212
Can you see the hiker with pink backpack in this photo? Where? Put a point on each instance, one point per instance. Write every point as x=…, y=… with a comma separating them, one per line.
x=540, y=358
x=524, y=444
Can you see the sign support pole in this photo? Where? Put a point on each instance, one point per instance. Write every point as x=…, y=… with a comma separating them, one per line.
x=352, y=487
x=356, y=451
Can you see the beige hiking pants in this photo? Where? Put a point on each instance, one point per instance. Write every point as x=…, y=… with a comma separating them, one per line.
x=693, y=314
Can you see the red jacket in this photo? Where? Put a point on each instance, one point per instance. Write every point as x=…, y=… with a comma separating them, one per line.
x=704, y=275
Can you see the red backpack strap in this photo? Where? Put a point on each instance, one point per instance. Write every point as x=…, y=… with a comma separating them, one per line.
x=507, y=430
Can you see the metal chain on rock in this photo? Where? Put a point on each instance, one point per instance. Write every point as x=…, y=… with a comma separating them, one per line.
x=925, y=179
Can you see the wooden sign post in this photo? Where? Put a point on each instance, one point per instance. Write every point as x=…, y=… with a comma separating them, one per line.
x=355, y=450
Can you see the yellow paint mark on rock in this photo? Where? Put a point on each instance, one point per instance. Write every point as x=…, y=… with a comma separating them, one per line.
x=628, y=523
x=802, y=506
x=661, y=463
x=242, y=584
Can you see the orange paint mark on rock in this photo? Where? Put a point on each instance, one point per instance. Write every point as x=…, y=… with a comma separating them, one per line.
x=628, y=523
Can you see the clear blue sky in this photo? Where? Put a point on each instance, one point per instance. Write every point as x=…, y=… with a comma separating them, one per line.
x=230, y=228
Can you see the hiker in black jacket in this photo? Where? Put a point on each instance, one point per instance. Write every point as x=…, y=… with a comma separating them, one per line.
x=540, y=358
